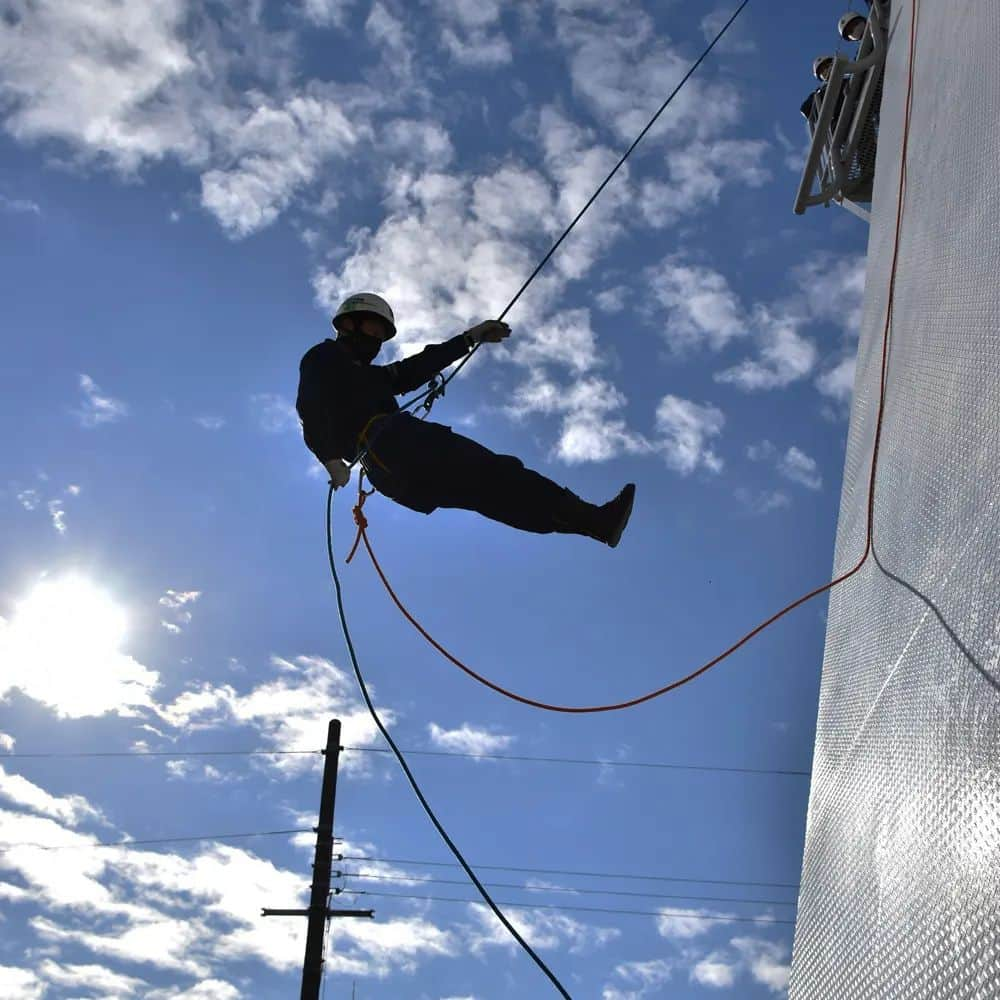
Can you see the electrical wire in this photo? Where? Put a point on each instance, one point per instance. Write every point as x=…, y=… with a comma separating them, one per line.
x=128, y=844
x=70, y=754
x=723, y=918
x=591, y=761
x=570, y=889
x=564, y=871
x=409, y=774
x=602, y=762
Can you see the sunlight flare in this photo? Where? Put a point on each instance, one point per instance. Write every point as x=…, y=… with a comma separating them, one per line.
x=62, y=647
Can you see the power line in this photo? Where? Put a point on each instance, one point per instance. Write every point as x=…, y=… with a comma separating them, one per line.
x=767, y=921
x=571, y=889
x=72, y=754
x=158, y=840
x=585, y=760
x=528, y=758
x=580, y=874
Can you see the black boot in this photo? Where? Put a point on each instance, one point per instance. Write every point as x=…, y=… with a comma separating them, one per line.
x=605, y=523
x=615, y=514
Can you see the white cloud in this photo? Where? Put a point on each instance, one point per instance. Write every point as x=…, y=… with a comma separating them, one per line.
x=70, y=809
x=785, y=355
x=193, y=770
x=275, y=414
x=566, y=339
x=209, y=989
x=686, y=429
x=327, y=13
x=618, y=59
x=62, y=648
x=290, y=712
x=19, y=205
x=766, y=960
x=440, y=264
x=714, y=22
x=590, y=431
x=477, y=47
x=96, y=75
x=91, y=978
x=543, y=930
x=762, y=502
x=387, y=31
x=698, y=173
x=96, y=408
x=188, y=914
x=420, y=142
x=645, y=977
x=838, y=382
x=20, y=984
x=714, y=971
x=6, y=742
x=57, y=514
x=833, y=288
x=684, y=925
x=577, y=166
x=28, y=499
x=470, y=33
x=176, y=602
x=468, y=739
x=511, y=200
x=612, y=300
x=280, y=149
x=794, y=464
x=700, y=305
x=210, y=423
x=125, y=84
x=797, y=466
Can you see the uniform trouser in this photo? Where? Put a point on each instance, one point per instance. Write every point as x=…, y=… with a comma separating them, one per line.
x=423, y=465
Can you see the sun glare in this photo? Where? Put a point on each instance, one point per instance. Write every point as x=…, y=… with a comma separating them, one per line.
x=70, y=617
x=62, y=647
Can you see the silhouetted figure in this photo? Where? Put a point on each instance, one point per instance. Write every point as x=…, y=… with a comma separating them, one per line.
x=347, y=405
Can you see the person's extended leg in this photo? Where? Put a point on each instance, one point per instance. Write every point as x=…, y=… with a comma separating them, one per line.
x=435, y=467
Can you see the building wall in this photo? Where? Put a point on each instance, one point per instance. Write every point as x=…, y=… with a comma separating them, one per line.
x=900, y=888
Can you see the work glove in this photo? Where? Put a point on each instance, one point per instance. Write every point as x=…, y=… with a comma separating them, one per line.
x=491, y=331
x=340, y=472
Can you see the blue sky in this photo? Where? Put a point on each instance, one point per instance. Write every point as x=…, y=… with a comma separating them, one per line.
x=185, y=192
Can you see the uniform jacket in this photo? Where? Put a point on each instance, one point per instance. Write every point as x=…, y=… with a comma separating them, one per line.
x=338, y=395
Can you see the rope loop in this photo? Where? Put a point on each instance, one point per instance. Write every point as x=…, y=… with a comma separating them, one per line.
x=359, y=518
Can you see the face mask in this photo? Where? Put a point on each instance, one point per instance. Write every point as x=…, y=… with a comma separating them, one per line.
x=363, y=347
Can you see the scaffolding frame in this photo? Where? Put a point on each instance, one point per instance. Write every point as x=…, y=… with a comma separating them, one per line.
x=845, y=125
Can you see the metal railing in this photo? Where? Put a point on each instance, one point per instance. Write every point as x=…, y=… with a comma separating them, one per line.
x=844, y=125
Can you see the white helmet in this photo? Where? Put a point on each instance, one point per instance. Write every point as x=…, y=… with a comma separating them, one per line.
x=366, y=302
x=822, y=66
x=848, y=23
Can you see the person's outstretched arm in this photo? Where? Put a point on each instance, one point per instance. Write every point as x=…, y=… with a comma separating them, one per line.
x=411, y=373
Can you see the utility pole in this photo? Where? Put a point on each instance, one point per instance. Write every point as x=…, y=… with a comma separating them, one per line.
x=319, y=912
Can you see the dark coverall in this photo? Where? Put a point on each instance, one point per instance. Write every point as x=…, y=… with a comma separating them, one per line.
x=419, y=464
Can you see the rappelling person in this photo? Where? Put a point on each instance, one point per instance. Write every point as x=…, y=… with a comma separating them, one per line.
x=348, y=408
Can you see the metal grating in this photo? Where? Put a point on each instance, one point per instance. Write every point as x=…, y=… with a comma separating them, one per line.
x=900, y=889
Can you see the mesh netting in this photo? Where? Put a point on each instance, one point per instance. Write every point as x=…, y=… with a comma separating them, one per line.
x=901, y=877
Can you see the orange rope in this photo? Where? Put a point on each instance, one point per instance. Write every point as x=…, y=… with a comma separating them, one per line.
x=580, y=710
